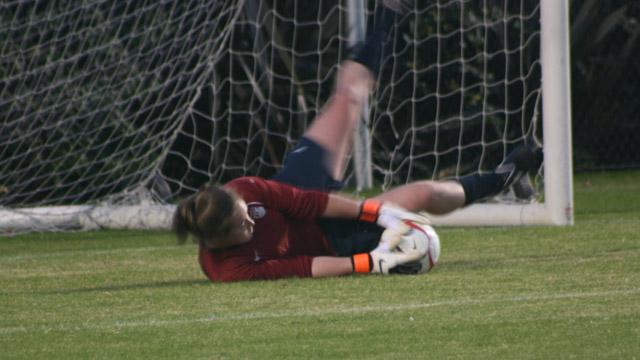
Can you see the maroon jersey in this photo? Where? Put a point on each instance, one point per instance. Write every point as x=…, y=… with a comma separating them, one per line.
x=285, y=239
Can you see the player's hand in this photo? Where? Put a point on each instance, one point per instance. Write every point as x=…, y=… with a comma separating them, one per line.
x=388, y=215
x=386, y=257
x=384, y=260
x=392, y=236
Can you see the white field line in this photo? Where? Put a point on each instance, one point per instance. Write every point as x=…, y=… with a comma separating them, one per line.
x=124, y=324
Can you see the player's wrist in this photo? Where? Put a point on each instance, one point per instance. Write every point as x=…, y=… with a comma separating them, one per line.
x=362, y=263
x=375, y=211
x=369, y=210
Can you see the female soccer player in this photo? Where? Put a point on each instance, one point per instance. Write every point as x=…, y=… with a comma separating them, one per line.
x=293, y=225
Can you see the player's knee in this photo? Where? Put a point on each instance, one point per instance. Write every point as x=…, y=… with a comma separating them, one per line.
x=428, y=192
x=437, y=196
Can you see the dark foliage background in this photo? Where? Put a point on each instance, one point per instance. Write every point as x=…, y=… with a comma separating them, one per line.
x=92, y=93
x=605, y=50
x=280, y=70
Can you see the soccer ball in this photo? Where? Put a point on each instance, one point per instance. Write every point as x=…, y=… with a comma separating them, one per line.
x=424, y=238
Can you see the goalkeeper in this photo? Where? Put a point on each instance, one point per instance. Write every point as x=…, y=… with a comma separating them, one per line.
x=294, y=226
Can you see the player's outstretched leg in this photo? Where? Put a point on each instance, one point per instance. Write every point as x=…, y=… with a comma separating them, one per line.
x=333, y=128
x=511, y=171
x=442, y=197
x=371, y=52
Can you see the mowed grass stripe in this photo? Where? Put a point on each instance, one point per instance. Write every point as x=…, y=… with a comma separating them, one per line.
x=453, y=265
x=524, y=292
x=320, y=313
x=94, y=252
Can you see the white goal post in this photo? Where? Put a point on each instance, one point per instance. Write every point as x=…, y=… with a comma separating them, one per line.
x=557, y=208
x=112, y=111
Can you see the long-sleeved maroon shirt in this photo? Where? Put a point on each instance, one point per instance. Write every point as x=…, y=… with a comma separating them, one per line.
x=285, y=239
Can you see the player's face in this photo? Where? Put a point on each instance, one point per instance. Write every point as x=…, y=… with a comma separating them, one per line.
x=241, y=228
x=242, y=223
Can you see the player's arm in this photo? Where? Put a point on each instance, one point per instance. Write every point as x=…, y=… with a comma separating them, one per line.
x=299, y=266
x=296, y=203
x=379, y=261
x=343, y=207
x=370, y=210
x=323, y=266
x=308, y=204
x=382, y=259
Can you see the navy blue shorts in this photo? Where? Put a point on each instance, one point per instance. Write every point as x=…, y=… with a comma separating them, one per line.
x=305, y=167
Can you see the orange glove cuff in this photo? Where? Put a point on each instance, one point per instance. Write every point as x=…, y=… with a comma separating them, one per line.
x=369, y=210
x=362, y=263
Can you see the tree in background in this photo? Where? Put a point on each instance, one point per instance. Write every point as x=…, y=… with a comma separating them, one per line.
x=605, y=45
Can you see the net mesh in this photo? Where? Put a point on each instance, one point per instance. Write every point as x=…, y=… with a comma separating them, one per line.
x=94, y=91
x=463, y=88
x=101, y=99
x=459, y=90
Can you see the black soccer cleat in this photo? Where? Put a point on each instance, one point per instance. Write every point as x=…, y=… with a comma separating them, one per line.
x=523, y=188
x=523, y=159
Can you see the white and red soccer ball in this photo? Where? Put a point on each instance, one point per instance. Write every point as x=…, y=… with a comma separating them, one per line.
x=425, y=239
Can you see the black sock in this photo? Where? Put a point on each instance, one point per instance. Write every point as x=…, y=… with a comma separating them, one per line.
x=370, y=53
x=478, y=187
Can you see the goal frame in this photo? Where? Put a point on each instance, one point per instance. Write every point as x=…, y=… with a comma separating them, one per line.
x=557, y=208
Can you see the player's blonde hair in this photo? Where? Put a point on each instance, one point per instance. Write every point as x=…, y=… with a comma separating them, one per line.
x=205, y=214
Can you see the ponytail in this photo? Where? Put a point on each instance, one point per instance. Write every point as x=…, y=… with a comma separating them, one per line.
x=184, y=219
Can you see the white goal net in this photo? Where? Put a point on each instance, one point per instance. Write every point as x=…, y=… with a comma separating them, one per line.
x=112, y=110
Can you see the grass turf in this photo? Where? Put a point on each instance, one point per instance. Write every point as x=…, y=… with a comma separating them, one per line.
x=534, y=292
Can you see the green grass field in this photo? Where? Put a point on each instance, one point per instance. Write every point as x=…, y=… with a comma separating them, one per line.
x=536, y=292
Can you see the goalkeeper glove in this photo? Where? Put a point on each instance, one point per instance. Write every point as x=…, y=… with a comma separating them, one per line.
x=387, y=215
x=383, y=258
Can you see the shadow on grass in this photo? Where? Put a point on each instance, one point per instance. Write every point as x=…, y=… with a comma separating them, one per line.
x=124, y=287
